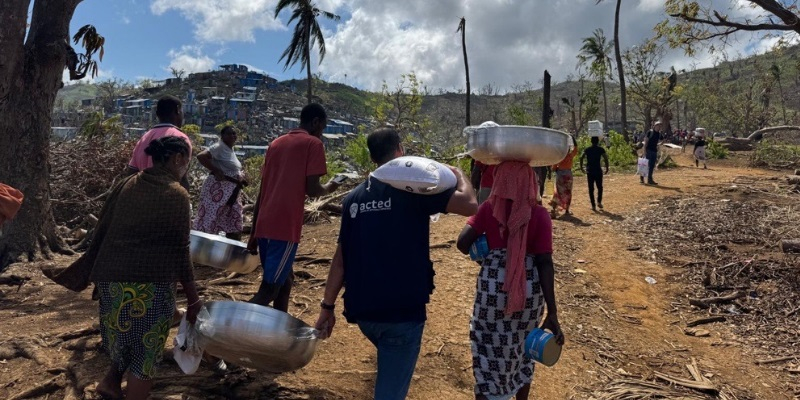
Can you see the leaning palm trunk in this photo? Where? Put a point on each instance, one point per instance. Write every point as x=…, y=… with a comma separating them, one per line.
x=618, y=54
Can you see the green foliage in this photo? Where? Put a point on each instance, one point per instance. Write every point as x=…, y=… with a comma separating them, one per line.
x=401, y=107
x=768, y=153
x=357, y=154
x=716, y=150
x=98, y=127
x=519, y=116
x=620, y=156
x=252, y=170
x=335, y=166
x=193, y=131
x=241, y=130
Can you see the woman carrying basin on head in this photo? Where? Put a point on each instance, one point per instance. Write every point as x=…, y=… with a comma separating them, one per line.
x=514, y=284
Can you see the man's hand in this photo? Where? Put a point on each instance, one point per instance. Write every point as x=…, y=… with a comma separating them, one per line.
x=583, y=170
x=192, y=310
x=606, y=171
x=252, y=244
x=551, y=324
x=325, y=323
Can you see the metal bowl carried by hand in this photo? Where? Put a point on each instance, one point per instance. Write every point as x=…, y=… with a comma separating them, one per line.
x=255, y=336
x=220, y=252
x=532, y=144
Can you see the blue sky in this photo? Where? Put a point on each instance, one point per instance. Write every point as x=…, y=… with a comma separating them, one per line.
x=510, y=42
x=139, y=41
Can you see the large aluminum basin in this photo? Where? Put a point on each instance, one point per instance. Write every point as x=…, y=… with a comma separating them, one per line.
x=535, y=145
x=220, y=252
x=257, y=337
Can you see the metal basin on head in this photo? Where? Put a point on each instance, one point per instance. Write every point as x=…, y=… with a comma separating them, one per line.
x=220, y=252
x=535, y=145
x=257, y=337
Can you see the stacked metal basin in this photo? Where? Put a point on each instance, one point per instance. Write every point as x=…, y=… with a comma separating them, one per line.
x=255, y=336
x=220, y=252
x=535, y=145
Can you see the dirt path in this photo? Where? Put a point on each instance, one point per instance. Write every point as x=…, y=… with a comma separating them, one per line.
x=616, y=324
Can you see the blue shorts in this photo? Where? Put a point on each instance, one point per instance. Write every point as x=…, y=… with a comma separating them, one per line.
x=277, y=257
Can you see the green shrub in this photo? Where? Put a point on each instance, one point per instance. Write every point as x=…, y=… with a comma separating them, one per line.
x=770, y=154
x=716, y=150
x=357, y=153
x=252, y=170
x=620, y=155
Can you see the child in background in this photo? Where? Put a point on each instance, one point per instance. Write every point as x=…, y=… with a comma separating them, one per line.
x=700, y=151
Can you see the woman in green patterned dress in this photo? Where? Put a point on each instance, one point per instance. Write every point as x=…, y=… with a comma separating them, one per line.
x=144, y=252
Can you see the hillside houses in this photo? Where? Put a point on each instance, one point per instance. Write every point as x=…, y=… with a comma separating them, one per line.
x=251, y=99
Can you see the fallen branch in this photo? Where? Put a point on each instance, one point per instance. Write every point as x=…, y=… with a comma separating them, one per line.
x=774, y=360
x=79, y=333
x=706, y=320
x=707, y=302
x=48, y=387
x=790, y=246
x=446, y=245
x=701, y=386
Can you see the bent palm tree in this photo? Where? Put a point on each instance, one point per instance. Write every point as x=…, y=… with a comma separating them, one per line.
x=595, y=52
x=462, y=27
x=306, y=33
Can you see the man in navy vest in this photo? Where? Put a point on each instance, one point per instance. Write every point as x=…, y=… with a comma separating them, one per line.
x=383, y=260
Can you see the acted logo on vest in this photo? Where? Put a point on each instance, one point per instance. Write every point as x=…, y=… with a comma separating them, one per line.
x=370, y=206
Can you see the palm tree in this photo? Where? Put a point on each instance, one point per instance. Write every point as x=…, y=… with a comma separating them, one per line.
x=595, y=52
x=462, y=27
x=775, y=70
x=306, y=33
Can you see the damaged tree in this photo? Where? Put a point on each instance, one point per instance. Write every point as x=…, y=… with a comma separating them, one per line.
x=33, y=61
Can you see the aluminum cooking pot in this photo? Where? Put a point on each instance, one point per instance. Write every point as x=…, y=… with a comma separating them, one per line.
x=535, y=145
x=255, y=336
x=220, y=252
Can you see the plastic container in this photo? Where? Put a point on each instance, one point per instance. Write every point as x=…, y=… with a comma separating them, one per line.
x=480, y=249
x=541, y=346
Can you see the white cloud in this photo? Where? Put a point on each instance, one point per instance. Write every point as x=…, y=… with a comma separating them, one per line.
x=224, y=20
x=509, y=42
x=102, y=74
x=190, y=59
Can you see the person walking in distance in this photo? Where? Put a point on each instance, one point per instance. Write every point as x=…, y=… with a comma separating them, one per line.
x=383, y=262
x=593, y=171
x=651, y=140
x=292, y=167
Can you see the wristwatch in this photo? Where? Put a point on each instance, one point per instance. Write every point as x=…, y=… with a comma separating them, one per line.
x=329, y=307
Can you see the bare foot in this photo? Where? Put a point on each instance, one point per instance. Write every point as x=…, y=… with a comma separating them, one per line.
x=108, y=389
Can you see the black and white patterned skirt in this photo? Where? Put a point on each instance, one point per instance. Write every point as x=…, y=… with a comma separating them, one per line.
x=499, y=362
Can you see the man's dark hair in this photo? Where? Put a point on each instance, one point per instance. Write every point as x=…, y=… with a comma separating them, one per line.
x=167, y=106
x=227, y=129
x=595, y=140
x=382, y=144
x=164, y=148
x=312, y=111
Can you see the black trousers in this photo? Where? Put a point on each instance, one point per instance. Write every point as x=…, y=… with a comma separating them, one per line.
x=595, y=180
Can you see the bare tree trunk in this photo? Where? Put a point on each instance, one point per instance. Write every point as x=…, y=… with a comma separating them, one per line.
x=618, y=54
x=783, y=103
x=308, y=64
x=605, y=106
x=30, y=77
x=463, y=27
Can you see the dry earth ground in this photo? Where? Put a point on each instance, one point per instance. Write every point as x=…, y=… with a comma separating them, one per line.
x=618, y=326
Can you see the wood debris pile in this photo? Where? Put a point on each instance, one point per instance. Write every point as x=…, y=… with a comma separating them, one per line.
x=81, y=172
x=728, y=245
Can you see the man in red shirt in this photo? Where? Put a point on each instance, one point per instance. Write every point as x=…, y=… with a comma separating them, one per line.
x=292, y=167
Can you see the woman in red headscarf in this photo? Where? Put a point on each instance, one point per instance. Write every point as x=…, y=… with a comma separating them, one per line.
x=514, y=284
